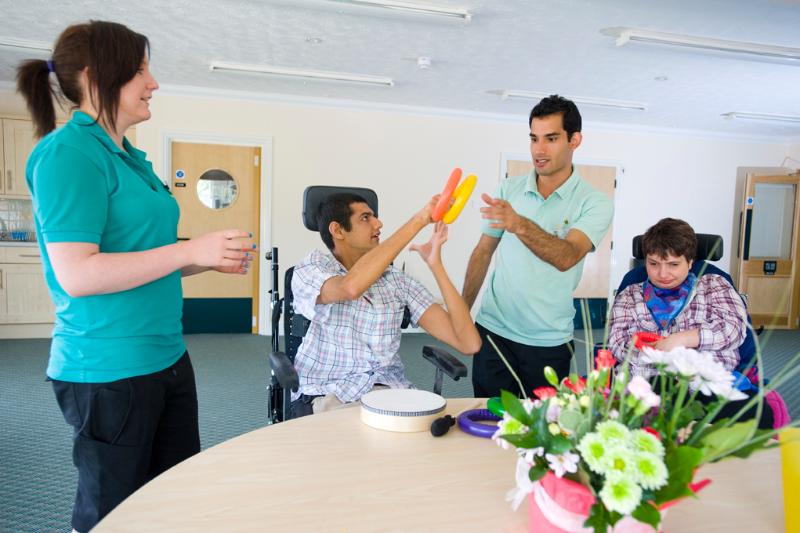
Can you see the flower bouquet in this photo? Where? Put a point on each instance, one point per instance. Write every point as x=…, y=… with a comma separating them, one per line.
x=612, y=451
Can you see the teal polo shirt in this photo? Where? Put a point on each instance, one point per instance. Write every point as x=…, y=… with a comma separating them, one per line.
x=528, y=300
x=86, y=189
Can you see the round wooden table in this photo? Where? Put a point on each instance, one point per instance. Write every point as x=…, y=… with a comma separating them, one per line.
x=331, y=472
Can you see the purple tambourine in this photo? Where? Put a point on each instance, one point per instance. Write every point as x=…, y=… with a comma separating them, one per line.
x=470, y=422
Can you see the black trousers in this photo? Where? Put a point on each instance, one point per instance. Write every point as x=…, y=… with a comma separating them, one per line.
x=490, y=374
x=126, y=433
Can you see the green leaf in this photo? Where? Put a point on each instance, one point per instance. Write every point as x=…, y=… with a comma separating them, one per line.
x=528, y=440
x=514, y=408
x=551, y=376
x=559, y=444
x=537, y=472
x=647, y=513
x=681, y=463
x=570, y=420
x=598, y=518
x=723, y=440
x=760, y=442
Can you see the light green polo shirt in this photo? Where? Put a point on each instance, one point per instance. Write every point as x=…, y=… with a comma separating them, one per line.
x=528, y=300
x=86, y=189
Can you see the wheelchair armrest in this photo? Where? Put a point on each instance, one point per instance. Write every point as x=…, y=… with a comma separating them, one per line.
x=445, y=361
x=284, y=370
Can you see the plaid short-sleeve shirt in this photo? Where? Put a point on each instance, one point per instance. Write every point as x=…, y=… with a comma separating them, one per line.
x=352, y=345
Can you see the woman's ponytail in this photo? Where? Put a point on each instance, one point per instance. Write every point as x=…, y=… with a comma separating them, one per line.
x=33, y=82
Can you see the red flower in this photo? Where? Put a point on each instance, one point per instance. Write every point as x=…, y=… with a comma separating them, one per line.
x=653, y=432
x=577, y=388
x=604, y=359
x=544, y=393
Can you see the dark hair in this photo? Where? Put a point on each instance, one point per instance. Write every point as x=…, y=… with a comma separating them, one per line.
x=113, y=54
x=558, y=105
x=336, y=208
x=670, y=236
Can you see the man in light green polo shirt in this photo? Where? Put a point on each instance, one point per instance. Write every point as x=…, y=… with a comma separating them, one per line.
x=542, y=226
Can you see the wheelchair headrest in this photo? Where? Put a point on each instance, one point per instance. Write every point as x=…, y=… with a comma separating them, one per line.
x=705, y=247
x=315, y=194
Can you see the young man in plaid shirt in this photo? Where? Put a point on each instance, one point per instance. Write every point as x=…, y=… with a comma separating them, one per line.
x=355, y=300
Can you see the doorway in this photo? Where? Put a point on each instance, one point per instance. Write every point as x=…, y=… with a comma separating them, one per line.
x=218, y=187
x=768, y=250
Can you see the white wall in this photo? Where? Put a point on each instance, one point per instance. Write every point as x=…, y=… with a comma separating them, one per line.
x=406, y=156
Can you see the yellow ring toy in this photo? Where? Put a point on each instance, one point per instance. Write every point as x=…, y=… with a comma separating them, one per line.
x=462, y=194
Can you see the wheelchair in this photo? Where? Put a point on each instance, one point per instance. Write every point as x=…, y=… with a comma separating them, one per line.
x=710, y=248
x=284, y=378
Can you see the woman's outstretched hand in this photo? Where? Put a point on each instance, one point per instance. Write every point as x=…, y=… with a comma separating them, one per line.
x=223, y=251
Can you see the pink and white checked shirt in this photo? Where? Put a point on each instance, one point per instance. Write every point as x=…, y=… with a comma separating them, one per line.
x=716, y=310
x=352, y=345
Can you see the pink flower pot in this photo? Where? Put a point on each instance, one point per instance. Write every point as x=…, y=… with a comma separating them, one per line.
x=559, y=505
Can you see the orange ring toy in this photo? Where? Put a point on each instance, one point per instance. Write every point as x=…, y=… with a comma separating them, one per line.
x=461, y=196
x=447, y=193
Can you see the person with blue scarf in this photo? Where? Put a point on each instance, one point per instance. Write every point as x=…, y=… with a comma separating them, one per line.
x=702, y=312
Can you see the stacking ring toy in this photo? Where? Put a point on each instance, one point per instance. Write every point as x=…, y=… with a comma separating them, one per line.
x=470, y=422
x=495, y=406
x=459, y=195
x=645, y=338
x=447, y=193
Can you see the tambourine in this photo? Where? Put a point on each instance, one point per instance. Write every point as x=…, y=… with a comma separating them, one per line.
x=403, y=410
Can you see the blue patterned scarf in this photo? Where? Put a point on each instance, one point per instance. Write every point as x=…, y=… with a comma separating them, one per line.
x=665, y=304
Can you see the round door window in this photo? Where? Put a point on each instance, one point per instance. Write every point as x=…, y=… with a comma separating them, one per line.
x=217, y=189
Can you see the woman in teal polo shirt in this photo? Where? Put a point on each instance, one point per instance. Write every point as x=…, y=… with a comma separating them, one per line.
x=107, y=230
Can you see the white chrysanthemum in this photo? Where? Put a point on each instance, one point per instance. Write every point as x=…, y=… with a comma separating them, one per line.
x=618, y=460
x=649, y=471
x=643, y=441
x=654, y=357
x=508, y=426
x=683, y=361
x=613, y=432
x=621, y=494
x=593, y=449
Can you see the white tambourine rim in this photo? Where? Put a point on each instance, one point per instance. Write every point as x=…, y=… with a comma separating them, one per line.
x=411, y=394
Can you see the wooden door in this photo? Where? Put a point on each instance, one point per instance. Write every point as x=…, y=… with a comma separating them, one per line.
x=769, y=250
x=218, y=187
x=18, y=141
x=597, y=265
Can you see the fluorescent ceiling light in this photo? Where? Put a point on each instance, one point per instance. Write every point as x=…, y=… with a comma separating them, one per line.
x=302, y=73
x=413, y=8
x=761, y=116
x=625, y=35
x=26, y=44
x=584, y=100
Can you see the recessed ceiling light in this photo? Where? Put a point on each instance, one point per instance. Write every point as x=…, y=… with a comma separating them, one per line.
x=584, y=100
x=292, y=72
x=661, y=78
x=26, y=44
x=313, y=40
x=761, y=116
x=413, y=8
x=424, y=62
x=626, y=35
